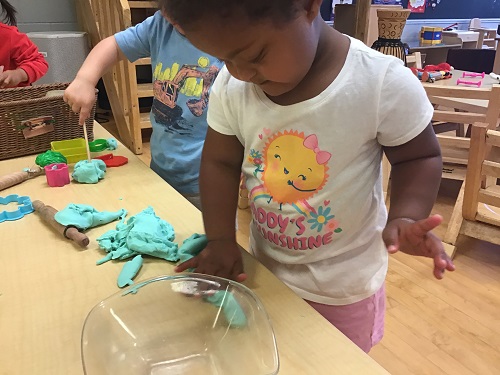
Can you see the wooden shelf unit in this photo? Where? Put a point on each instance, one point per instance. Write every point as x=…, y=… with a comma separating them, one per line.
x=104, y=18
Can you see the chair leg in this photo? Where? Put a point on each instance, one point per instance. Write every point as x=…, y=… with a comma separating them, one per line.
x=456, y=220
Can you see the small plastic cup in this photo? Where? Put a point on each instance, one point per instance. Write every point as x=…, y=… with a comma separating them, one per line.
x=57, y=174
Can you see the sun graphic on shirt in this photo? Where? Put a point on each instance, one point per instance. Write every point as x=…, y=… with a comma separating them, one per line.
x=292, y=171
x=203, y=62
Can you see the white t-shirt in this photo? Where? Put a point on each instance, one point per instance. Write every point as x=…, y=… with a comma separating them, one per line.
x=313, y=170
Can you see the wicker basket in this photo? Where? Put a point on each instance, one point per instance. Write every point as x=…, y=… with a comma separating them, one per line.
x=30, y=120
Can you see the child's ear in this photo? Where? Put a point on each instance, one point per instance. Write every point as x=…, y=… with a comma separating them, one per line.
x=176, y=25
x=312, y=7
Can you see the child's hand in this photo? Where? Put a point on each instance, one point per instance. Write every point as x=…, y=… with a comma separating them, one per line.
x=80, y=96
x=12, y=78
x=416, y=238
x=219, y=258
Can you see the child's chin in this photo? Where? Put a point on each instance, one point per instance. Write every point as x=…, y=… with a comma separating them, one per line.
x=274, y=89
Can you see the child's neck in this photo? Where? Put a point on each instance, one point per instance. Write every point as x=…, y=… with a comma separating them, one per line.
x=328, y=62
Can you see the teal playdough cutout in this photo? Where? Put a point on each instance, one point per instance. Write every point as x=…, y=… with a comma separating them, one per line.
x=24, y=207
x=89, y=172
x=129, y=271
x=231, y=309
x=144, y=233
x=84, y=216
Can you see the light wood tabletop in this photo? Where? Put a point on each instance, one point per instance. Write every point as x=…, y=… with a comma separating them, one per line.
x=472, y=105
x=49, y=285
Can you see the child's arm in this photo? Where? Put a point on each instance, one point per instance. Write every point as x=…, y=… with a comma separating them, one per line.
x=415, y=178
x=219, y=181
x=80, y=94
x=30, y=64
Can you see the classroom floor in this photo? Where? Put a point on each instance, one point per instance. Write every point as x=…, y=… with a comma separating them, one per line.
x=447, y=327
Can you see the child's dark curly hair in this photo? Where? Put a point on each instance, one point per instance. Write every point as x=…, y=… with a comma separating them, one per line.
x=188, y=12
x=7, y=13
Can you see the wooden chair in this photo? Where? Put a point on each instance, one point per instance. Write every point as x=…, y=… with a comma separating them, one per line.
x=414, y=60
x=461, y=106
x=477, y=212
x=447, y=100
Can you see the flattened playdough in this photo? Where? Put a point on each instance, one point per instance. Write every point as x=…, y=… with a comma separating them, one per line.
x=84, y=216
x=144, y=233
x=89, y=172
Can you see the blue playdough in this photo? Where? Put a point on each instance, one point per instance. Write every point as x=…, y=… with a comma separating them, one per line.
x=112, y=144
x=24, y=207
x=89, y=172
x=230, y=308
x=192, y=246
x=144, y=233
x=84, y=216
x=129, y=271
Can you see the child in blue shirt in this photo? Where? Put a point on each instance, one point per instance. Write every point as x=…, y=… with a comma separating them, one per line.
x=182, y=78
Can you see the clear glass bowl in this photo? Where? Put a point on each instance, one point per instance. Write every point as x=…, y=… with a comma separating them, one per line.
x=187, y=324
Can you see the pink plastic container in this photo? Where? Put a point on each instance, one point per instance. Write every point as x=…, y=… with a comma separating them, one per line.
x=57, y=174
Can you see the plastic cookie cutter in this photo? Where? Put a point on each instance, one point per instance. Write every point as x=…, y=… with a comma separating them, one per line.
x=24, y=207
x=98, y=145
x=57, y=174
x=112, y=161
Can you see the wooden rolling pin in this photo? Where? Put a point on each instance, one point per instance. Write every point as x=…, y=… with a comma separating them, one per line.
x=47, y=213
x=18, y=177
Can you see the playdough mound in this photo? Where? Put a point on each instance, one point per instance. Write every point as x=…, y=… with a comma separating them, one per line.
x=89, y=172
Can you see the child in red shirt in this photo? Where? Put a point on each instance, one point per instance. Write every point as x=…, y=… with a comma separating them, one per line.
x=20, y=62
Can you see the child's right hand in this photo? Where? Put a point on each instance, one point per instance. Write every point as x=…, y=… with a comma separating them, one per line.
x=219, y=258
x=80, y=96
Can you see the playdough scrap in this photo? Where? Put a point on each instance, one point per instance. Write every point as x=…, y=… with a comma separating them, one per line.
x=84, y=216
x=144, y=233
x=129, y=271
x=89, y=172
x=231, y=309
x=192, y=246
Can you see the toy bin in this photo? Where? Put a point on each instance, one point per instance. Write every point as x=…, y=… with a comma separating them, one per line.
x=73, y=149
x=33, y=117
x=431, y=35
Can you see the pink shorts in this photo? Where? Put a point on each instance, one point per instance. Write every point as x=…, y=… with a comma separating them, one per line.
x=362, y=322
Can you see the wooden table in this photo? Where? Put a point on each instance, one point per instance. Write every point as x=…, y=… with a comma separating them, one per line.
x=48, y=285
x=435, y=53
x=470, y=105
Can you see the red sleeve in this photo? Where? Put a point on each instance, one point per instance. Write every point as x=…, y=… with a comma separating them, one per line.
x=25, y=55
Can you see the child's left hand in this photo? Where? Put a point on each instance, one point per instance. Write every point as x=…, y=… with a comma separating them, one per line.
x=415, y=238
x=12, y=78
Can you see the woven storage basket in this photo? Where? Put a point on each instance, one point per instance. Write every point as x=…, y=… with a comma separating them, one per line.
x=29, y=120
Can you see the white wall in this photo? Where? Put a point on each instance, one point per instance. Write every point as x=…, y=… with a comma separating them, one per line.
x=45, y=15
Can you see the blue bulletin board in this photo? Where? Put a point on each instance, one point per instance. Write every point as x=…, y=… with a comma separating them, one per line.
x=458, y=9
